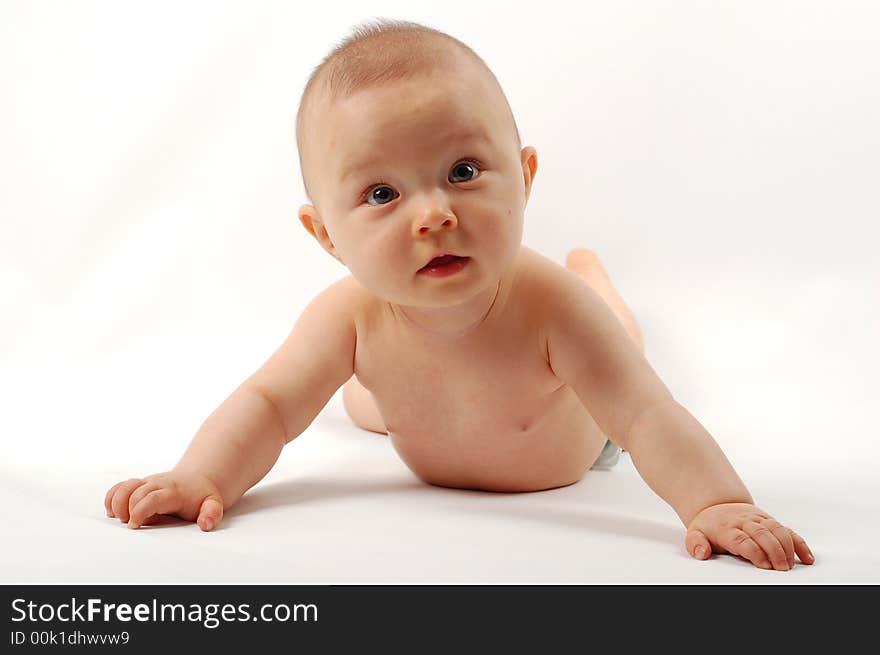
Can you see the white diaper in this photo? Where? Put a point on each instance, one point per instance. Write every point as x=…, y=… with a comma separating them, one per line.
x=608, y=457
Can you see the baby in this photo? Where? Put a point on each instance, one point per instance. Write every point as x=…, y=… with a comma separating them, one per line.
x=488, y=365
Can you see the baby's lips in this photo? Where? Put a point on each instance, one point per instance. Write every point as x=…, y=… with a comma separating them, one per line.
x=439, y=260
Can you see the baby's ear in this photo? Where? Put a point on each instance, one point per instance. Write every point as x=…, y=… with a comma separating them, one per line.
x=529, y=158
x=311, y=220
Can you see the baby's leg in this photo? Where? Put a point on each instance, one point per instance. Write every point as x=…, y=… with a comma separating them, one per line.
x=361, y=408
x=586, y=263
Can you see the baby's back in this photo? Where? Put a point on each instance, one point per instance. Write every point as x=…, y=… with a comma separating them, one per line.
x=484, y=410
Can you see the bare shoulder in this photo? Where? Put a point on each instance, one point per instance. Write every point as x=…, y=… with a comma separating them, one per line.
x=541, y=294
x=543, y=269
x=352, y=297
x=346, y=292
x=543, y=284
x=331, y=315
x=558, y=296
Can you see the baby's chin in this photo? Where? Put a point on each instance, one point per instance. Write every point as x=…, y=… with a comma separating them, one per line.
x=468, y=283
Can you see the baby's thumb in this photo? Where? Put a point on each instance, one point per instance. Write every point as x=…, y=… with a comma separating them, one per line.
x=210, y=513
x=697, y=544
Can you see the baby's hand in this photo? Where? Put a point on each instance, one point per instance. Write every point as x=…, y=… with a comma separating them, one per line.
x=745, y=530
x=190, y=496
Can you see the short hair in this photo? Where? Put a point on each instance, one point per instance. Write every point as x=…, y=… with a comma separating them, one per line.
x=385, y=50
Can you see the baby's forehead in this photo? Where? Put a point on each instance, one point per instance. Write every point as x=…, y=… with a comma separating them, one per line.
x=445, y=101
x=457, y=76
x=363, y=134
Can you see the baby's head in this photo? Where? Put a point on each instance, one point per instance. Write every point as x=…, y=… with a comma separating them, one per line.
x=409, y=150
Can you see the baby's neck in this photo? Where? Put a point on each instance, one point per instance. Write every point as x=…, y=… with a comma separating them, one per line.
x=455, y=321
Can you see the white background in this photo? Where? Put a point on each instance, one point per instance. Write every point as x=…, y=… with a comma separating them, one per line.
x=722, y=159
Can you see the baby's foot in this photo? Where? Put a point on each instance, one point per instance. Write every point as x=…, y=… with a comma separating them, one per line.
x=585, y=263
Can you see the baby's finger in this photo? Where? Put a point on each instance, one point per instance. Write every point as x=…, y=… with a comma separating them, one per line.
x=782, y=534
x=108, y=497
x=210, y=513
x=697, y=544
x=160, y=501
x=803, y=551
x=766, y=540
x=119, y=504
x=739, y=543
x=140, y=492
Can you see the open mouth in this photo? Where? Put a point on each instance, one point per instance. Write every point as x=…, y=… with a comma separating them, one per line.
x=445, y=265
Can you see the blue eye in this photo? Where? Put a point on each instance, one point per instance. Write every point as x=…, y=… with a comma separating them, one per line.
x=382, y=194
x=464, y=166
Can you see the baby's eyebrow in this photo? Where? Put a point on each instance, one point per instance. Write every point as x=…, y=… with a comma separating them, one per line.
x=357, y=166
x=471, y=134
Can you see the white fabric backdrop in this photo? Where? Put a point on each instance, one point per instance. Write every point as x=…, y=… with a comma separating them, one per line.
x=722, y=159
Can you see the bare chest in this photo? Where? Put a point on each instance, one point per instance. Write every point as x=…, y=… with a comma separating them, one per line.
x=495, y=384
x=489, y=415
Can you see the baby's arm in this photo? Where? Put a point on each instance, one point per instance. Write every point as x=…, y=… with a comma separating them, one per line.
x=241, y=440
x=590, y=350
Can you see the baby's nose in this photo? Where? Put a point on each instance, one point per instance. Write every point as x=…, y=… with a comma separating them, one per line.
x=447, y=221
x=434, y=216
